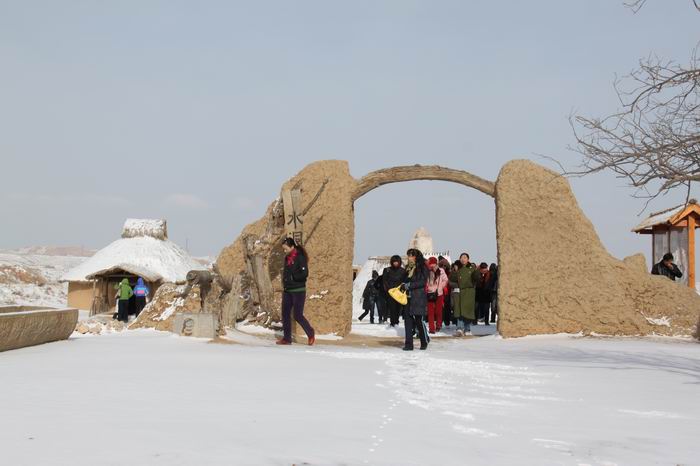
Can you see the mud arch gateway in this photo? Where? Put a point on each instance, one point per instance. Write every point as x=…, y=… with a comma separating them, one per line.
x=555, y=274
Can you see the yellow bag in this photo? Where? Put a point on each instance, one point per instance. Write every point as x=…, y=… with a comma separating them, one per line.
x=399, y=295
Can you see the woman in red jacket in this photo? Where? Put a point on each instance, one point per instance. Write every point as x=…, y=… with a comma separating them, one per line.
x=437, y=282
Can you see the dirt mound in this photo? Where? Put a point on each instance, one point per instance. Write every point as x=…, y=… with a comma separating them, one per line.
x=17, y=274
x=556, y=276
x=158, y=314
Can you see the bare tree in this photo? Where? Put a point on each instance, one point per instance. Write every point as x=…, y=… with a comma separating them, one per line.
x=654, y=140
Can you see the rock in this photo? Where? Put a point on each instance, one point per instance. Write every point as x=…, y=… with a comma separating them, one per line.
x=636, y=262
x=254, y=262
x=159, y=313
x=117, y=326
x=556, y=276
x=95, y=329
x=82, y=328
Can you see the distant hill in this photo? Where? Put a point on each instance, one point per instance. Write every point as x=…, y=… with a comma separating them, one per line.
x=68, y=251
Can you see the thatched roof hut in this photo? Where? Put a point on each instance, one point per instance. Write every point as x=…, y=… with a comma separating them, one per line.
x=143, y=251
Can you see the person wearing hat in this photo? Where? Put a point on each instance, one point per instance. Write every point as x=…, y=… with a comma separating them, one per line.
x=124, y=294
x=437, y=282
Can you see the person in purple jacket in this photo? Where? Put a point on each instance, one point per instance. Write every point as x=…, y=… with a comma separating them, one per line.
x=141, y=292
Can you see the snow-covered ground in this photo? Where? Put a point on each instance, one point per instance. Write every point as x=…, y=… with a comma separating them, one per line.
x=27, y=278
x=149, y=398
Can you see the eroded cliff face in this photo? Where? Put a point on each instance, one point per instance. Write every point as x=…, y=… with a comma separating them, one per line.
x=557, y=277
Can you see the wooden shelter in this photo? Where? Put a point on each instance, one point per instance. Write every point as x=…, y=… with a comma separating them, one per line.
x=673, y=230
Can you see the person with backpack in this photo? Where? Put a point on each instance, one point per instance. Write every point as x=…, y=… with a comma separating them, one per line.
x=294, y=276
x=141, y=292
x=437, y=282
x=369, y=298
x=417, y=308
x=124, y=294
x=394, y=276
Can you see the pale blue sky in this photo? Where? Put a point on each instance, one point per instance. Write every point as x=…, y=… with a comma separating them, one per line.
x=198, y=111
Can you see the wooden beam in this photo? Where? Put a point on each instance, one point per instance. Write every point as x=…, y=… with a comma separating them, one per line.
x=421, y=172
x=691, y=251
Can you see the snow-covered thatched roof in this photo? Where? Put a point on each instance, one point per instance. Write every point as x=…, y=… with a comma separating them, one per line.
x=141, y=252
x=137, y=227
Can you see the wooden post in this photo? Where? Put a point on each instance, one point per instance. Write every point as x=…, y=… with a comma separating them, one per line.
x=691, y=251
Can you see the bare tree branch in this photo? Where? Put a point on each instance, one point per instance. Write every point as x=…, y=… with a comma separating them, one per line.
x=653, y=141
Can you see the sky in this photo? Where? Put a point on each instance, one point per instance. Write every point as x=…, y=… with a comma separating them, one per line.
x=198, y=111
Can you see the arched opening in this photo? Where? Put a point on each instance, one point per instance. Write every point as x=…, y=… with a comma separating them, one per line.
x=457, y=220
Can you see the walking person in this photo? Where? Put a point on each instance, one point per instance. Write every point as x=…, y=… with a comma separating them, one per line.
x=437, y=282
x=124, y=294
x=415, y=311
x=294, y=276
x=493, y=286
x=667, y=268
x=464, y=278
x=394, y=276
x=369, y=298
x=382, y=298
x=141, y=292
x=483, y=293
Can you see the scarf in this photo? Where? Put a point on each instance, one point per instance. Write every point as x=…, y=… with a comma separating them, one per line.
x=291, y=257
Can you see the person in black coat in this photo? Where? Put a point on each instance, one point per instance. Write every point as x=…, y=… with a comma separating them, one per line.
x=382, y=298
x=667, y=268
x=417, y=309
x=294, y=275
x=493, y=286
x=394, y=276
x=369, y=298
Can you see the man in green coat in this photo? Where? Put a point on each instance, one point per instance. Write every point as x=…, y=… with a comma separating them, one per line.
x=465, y=279
x=124, y=294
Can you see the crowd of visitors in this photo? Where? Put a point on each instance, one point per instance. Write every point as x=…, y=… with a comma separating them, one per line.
x=438, y=293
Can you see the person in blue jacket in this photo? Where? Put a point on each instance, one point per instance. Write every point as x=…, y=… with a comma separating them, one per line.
x=141, y=292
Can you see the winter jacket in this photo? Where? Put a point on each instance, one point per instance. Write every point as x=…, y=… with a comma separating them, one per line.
x=379, y=286
x=124, y=290
x=672, y=273
x=393, y=277
x=295, y=272
x=465, y=278
x=141, y=290
x=439, y=283
x=483, y=292
x=418, y=298
x=369, y=296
